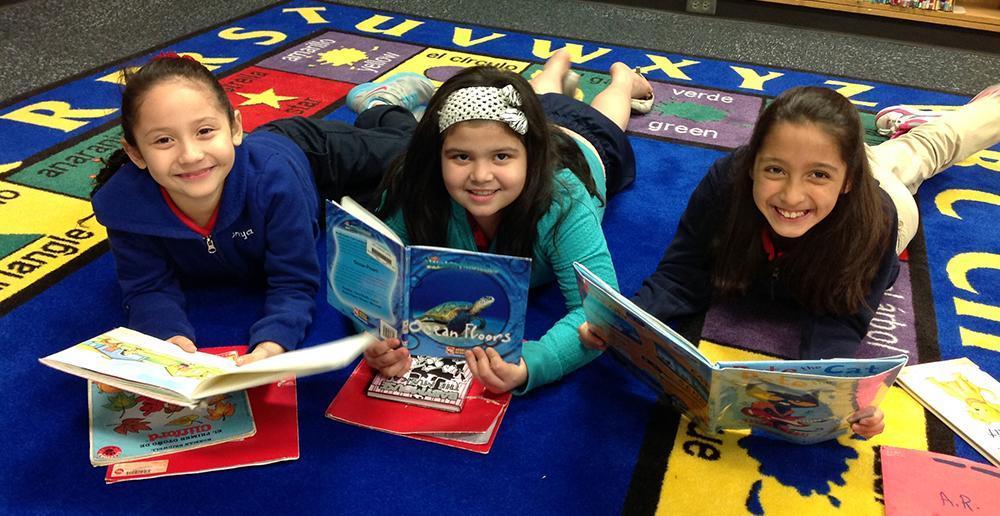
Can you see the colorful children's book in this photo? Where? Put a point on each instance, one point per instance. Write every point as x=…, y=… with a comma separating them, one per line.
x=962, y=395
x=157, y=369
x=474, y=428
x=434, y=382
x=437, y=301
x=916, y=483
x=275, y=414
x=803, y=401
x=129, y=426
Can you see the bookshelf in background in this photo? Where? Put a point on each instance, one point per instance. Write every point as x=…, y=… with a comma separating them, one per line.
x=971, y=14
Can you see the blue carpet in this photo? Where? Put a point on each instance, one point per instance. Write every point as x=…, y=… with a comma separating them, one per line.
x=594, y=443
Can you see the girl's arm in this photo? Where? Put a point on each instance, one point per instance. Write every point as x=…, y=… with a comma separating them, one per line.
x=576, y=238
x=151, y=295
x=681, y=284
x=291, y=265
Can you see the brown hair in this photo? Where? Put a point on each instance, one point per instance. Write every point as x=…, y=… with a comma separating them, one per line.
x=138, y=83
x=831, y=267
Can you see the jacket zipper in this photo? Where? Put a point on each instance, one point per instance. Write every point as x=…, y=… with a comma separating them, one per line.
x=210, y=243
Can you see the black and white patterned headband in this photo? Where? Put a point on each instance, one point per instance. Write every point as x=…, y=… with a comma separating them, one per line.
x=484, y=103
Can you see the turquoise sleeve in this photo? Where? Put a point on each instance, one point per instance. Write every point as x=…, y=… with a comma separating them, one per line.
x=577, y=237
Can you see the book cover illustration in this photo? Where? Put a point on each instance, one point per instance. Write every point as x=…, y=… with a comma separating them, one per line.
x=803, y=401
x=435, y=382
x=151, y=367
x=945, y=485
x=474, y=428
x=962, y=395
x=127, y=426
x=275, y=415
x=439, y=302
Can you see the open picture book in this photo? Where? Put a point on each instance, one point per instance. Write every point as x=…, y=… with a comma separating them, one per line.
x=962, y=395
x=803, y=401
x=437, y=301
x=151, y=367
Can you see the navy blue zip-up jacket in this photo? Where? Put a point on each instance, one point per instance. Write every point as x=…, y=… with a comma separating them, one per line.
x=682, y=286
x=265, y=232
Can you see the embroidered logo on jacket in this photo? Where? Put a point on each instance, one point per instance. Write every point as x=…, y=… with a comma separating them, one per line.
x=243, y=234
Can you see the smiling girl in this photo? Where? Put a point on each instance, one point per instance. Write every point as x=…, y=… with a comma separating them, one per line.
x=190, y=197
x=807, y=218
x=487, y=171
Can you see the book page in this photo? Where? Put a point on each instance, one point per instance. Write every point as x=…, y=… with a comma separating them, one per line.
x=139, y=363
x=366, y=270
x=359, y=212
x=962, y=395
x=664, y=359
x=300, y=362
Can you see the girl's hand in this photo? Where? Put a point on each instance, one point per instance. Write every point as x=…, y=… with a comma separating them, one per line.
x=389, y=357
x=867, y=422
x=263, y=350
x=183, y=342
x=590, y=339
x=497, y=375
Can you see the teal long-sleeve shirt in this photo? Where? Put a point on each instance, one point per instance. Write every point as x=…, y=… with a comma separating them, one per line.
x=570, y=231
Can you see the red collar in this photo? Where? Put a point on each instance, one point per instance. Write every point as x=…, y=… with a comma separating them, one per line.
x=768, y=244
x=203, y=231
x=482, y=241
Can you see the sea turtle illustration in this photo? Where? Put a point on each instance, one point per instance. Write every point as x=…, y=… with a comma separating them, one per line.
x=455, y=315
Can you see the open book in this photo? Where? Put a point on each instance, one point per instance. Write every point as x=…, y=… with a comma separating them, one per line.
x=962, y=395
x=145, y=365
x=803, y=401
x=437, y=301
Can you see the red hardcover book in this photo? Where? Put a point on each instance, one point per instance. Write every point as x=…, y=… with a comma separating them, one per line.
x=921, y=482
x=275, y=412
x=474, y=428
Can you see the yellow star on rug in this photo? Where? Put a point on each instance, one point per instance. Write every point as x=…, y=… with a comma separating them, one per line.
x=267, y=97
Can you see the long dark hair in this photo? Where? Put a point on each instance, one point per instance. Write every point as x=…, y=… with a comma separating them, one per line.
x=415, y=186
x=830, y=267
x=137, y=83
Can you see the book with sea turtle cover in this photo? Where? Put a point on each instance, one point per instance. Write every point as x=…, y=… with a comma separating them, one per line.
x=439, y=302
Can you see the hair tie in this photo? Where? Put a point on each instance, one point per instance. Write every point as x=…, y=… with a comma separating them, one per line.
x=484, y=103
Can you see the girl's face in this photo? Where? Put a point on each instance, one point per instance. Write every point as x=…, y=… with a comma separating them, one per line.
x=484, y=165
x=798, y=175
x=184, y=138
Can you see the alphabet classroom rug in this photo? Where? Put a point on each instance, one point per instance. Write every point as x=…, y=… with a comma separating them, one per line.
x=595, y=443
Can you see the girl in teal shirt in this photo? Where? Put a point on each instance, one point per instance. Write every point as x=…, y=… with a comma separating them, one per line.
x=486, y=170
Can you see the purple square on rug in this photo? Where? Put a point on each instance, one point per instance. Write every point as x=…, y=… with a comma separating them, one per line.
x=760, y=328
x=342, y=57
x=708, y=117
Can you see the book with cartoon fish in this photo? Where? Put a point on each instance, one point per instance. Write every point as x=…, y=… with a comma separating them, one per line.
x=439, y=302
x=962, y=395
x=151, y=367
x=803, y=401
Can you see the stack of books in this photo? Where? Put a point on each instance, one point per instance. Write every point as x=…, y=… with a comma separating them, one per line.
x=155, y=410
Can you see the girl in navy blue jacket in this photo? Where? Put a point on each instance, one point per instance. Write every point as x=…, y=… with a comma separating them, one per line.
x=191, y=196
x=806, y=217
